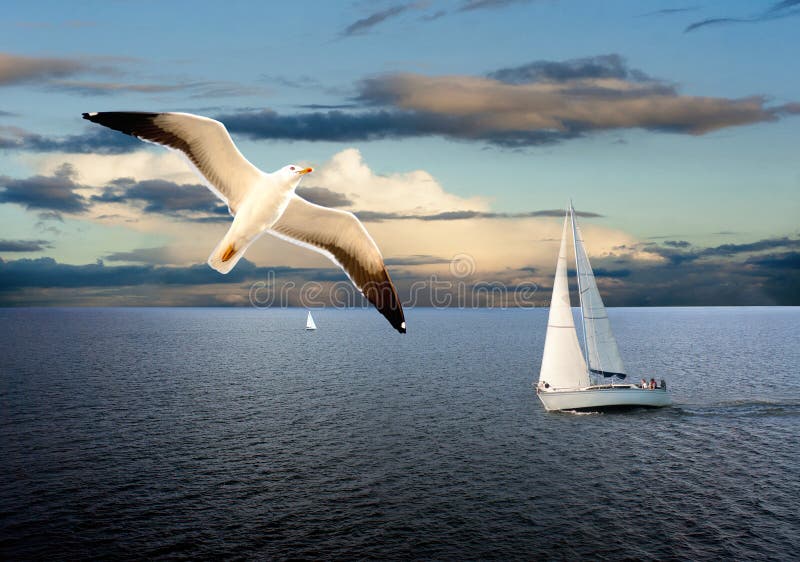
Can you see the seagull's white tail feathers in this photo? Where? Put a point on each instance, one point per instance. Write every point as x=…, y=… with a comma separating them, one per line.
x=226, y=255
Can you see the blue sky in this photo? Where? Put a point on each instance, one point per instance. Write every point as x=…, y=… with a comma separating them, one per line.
x=674, y=121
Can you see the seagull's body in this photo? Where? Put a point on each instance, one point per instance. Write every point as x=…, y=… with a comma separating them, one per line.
x=265, y=202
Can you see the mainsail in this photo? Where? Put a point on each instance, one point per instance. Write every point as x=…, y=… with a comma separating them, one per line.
x=601, y=346
x=563, y=365
x=310, y=322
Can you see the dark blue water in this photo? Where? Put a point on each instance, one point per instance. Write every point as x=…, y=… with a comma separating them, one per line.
x=199, y=433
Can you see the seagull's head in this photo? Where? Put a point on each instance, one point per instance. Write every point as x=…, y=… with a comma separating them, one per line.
x=294, y=173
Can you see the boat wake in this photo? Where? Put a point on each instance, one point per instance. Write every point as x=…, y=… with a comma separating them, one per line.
x=744, y=408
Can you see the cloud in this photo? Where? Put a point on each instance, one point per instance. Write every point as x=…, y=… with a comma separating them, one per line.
x=611, y=273
x=597, y=67
x=364, y=24
x=47, y=272
x=316, y=106
x=323, y=196
x=670, y=11
x=373, y=216
x=778, y=10
x=162, y=196
x=416, y=260
x=61, y=74
x=487, y=108
x=681, y=251
x=472, y=5
x=337, y=126
x=94, y=141
x=677, y=243
x=23, y=245
x=758, y=246
x=54, y=193
x=763, y=278
x=786, y=260
x=539, y=103
x=192, y=90
x=89, y=88
x=50, y=216
x=160, y=255
x=415, y=192
x=18, y=69
x=410, y=212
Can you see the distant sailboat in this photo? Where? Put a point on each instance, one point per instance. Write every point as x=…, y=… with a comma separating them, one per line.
x=310, y=322
x=572, y=379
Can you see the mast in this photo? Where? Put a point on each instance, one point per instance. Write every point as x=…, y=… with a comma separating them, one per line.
x=580, y=288
x=602, y=355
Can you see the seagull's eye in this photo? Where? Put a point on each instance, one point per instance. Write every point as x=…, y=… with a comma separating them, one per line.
x=291, y=168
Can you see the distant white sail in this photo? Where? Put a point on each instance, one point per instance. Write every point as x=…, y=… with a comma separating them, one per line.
x=563, y=365
x=601, y=346
x=310, y=322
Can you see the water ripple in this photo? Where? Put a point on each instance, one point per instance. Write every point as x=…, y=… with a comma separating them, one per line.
x=211, y=433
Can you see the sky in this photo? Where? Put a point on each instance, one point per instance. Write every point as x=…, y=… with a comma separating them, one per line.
x=457, y=130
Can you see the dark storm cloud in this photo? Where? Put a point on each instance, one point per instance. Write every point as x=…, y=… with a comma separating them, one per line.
x=611, y=273
x=778, y=10
x=162, y=196
x=766, y=278
x=336, y=126
x=323, y=196
x=44, y=273
x=786, y=260
x=23, y=245
x=317, y=106
x=681, y=251
x=677, y=243
x=94, y=141
x=601, y=66
x=759, y=246
x=52, y=193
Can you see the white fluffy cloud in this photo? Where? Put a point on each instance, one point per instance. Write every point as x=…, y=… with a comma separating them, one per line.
x=415, y=192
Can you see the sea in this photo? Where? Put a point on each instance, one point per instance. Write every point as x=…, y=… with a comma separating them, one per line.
x=226, y=433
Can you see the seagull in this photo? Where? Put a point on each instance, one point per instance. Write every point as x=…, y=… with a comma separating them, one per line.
x=264, y=202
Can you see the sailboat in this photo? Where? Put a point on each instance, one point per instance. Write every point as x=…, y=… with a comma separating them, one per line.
x=572, y=378
x=310, y=322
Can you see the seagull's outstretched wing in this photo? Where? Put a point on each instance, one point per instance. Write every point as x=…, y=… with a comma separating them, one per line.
x=204, y=141
x=340, y=236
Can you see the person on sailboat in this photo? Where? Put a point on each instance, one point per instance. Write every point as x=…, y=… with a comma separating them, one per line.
x=644, y=384
x=653, y=384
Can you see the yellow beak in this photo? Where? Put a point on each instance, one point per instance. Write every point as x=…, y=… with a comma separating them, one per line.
x=305, y=171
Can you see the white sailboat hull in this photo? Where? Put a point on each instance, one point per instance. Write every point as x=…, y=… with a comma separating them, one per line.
x=604, y=397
